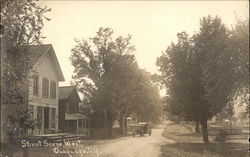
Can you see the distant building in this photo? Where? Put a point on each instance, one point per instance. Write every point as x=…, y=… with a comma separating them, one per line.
x=43, y=89
x=70, y=119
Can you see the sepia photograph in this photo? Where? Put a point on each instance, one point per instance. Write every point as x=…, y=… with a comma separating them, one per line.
x=144, y=78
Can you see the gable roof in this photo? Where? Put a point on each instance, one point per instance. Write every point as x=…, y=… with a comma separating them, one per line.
x=66, y=91
x=37, y=51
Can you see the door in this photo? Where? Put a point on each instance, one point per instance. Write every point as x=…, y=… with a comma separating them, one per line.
x=46, y=118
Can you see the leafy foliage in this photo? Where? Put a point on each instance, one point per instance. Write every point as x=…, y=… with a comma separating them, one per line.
x=200, y=72
x=107, y=73
x=21, y=24
x=22, y=21
x=240, y=44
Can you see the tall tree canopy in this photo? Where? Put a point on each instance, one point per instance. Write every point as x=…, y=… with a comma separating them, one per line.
x=199, y=72
x=102, y=67
x=21, y=25
x=107, y=73
x=22, y=21
x=240, y=43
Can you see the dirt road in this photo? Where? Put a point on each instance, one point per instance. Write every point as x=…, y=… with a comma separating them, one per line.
x=146, y=146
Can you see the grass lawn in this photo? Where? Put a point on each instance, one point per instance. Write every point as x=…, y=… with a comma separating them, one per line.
x=189, y=144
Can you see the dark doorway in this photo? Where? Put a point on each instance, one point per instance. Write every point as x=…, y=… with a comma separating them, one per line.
x=71, y=126
x=46, y=118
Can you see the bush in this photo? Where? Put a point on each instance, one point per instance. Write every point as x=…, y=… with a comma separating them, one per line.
x=100, y=133
x=221, y=136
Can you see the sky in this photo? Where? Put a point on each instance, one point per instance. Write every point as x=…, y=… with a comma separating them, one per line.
x=152, y=24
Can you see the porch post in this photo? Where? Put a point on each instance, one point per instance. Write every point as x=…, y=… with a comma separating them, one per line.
x=77, y=126
x=82, y=126
x=42, y=127
x=85, y=126
x=89, y=126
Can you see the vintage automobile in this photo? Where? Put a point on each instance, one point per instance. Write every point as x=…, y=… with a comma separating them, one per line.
x=142, y=128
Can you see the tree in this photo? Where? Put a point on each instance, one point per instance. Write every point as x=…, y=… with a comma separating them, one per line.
x=147, y=100
x=21, y=24
x=214, y=55
x=240, y=44
x=236, y=67
x=199, y=73
x=102, y=68
x=107, y=73
x=179, y=77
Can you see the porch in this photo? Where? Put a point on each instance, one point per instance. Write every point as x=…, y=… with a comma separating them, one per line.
x=77, y=124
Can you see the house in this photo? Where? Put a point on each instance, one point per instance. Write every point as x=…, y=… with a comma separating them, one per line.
x=70, y=119
x=43, y=89
x=85, y=109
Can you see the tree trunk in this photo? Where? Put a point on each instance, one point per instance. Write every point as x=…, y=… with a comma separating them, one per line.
x=204, y=131
x=230, y=124
x=121, y=124
x=105, y=118
x=110, y=129
x=197, y=126
x=109, y=124
x=126, y=124
x=125, y=120
x=242, y=123
x=10, y=150
x=6, y=139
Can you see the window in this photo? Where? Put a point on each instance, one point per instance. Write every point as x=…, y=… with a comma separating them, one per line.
x=39, y=118
x=68, y=108
x=46, y=112
x=35, y=85
x=45, y=87
x=53, y=117
x=52, y=90
x=39, y=114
